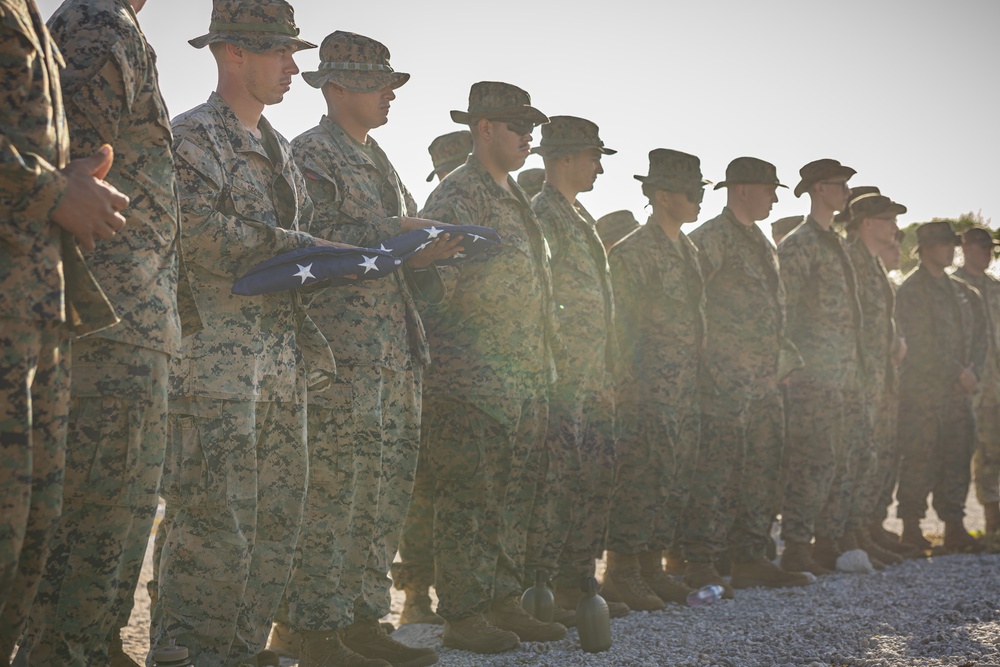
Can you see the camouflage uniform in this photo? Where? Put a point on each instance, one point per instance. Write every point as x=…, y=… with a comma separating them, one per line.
x=570, y=516
x=876, y=455
x=485, y=405
x=365, y=428
x=660, y=319
x=986, y=400
x=942, y=320
x=448, y=152
x=119, y=393
x=46, y=291
x=823, y=406
x=737, y=471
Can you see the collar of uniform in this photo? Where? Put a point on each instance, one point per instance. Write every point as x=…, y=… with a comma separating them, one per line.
x=494, y=187
x=239, y=137
x=348, y=145
x=559, y=199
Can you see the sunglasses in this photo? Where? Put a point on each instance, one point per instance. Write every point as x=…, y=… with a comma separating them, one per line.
x=695, y=195
x=518, y=127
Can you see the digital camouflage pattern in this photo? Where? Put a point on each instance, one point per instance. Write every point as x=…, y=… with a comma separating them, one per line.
x=492, y=340
x=615, y=226
x=750, y=170
x=119, y=386
x=448, y=152
x=564, y=135
x=257, y=25
x=823, y=411
x=499, y=100
x=235, y=468
x=986, y=400
x=819, y=170
x=355, y=62
x=660, y=321
x=742, y=420
x=379, y=341
x=531, y=180
x=43, y=282
x=673, y=170
x=118, y=427
x=571, y=508
x=945, y=328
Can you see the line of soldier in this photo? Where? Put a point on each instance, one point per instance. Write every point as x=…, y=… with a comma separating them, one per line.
x=723, y=384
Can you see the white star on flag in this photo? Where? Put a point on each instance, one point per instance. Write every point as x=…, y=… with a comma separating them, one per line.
x=368, y=264
x=432, y=232
x=381, y=246
x=476, y=237
x=305, y=272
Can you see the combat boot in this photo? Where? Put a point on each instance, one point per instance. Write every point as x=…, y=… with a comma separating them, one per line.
x=283, y=640
x=992, y=512
x=324, y=648
x=478, y=635
x=665, y=587
x=826, y=552
x=957, y=539
x=569, y=598
x=762, y=573
x=698, y=575
x=913, y=536
x=116, y=651
x=417, y=607
x=509, y=615
x=890, y=542
x=369, y=638
x=674, y=562
x=797, y=558
x=623, y=583
x=850, y=542
x=874, y=551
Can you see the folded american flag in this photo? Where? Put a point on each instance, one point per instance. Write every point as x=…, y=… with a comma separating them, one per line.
x=477, y=240
x=308, y=266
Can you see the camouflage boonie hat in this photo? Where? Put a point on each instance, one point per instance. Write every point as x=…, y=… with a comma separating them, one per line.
x=254, y=25
x=872, y=205
x=615, y=226
x=783, y=226
x=750, y=170
x=565, y=135
x=979, y=236
x=449, y=151
x=673, y=171
x=531, y=180
x=355, y=62
x=930, y=233
x=498, y=100
x=820, y=170
x=856, y=193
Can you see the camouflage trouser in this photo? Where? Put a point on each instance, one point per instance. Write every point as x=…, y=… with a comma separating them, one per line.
x=364, y=433
x=863, y=457
x=888, y=428
x=736, y=480
x=34, y=407
x=570, y=517
x=815, y=465
x=656, y=450
x=936, y=439
x=870, y=490
x=485, y=468
x=986, y=461
x=114, y=457
x=416, y=543
x=234, y=478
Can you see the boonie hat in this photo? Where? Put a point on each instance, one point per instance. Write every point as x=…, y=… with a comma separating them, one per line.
x=255, y=25
x=355, y=62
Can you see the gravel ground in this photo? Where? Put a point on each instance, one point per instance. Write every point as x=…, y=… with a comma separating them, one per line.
x=943, y=610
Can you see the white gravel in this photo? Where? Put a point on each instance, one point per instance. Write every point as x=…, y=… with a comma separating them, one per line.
x=940, y=611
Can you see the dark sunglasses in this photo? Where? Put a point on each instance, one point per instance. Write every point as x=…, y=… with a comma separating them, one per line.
x=695, y=195
x=518, y=127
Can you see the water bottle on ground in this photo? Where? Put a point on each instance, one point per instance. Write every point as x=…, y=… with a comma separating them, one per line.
x=539, y=601
x=171, y=655
x=592, y=620
x=705, y=596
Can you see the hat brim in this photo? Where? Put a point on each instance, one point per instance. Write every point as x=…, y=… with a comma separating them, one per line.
x=356, y=82
x=891, y=208
x=559, y=151
x=450, y=165
x=726, y=184
x=804, y=184
x=957, y=241
x=256, y=42
x=523, y=113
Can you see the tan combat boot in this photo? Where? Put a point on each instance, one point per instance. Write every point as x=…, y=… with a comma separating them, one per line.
x=477, y=634
x=992, y=512
x=623, y=583
x=875, y=551
x=507, y=614
x=826, y=551
x=665, y=587
x=797, y=558
x=324, y=648
x=913, y=536
x=569, y=598
x=369, y=638
x=417, y=607
x=762, y=573
x=957, y=539
x=699, y=575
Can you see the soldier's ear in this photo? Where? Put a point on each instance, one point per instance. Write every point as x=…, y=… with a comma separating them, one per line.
x=485, y=128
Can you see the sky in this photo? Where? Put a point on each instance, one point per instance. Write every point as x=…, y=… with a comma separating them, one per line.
x=904, y=91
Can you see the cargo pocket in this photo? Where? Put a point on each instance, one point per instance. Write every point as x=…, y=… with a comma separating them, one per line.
x=107, y=419
x=185, y=467
x=456, y=437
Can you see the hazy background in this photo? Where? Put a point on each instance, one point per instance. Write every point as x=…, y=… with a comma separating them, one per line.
x=906, y=92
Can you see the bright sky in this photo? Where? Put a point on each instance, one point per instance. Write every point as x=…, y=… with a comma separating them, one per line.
x=905, y=91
